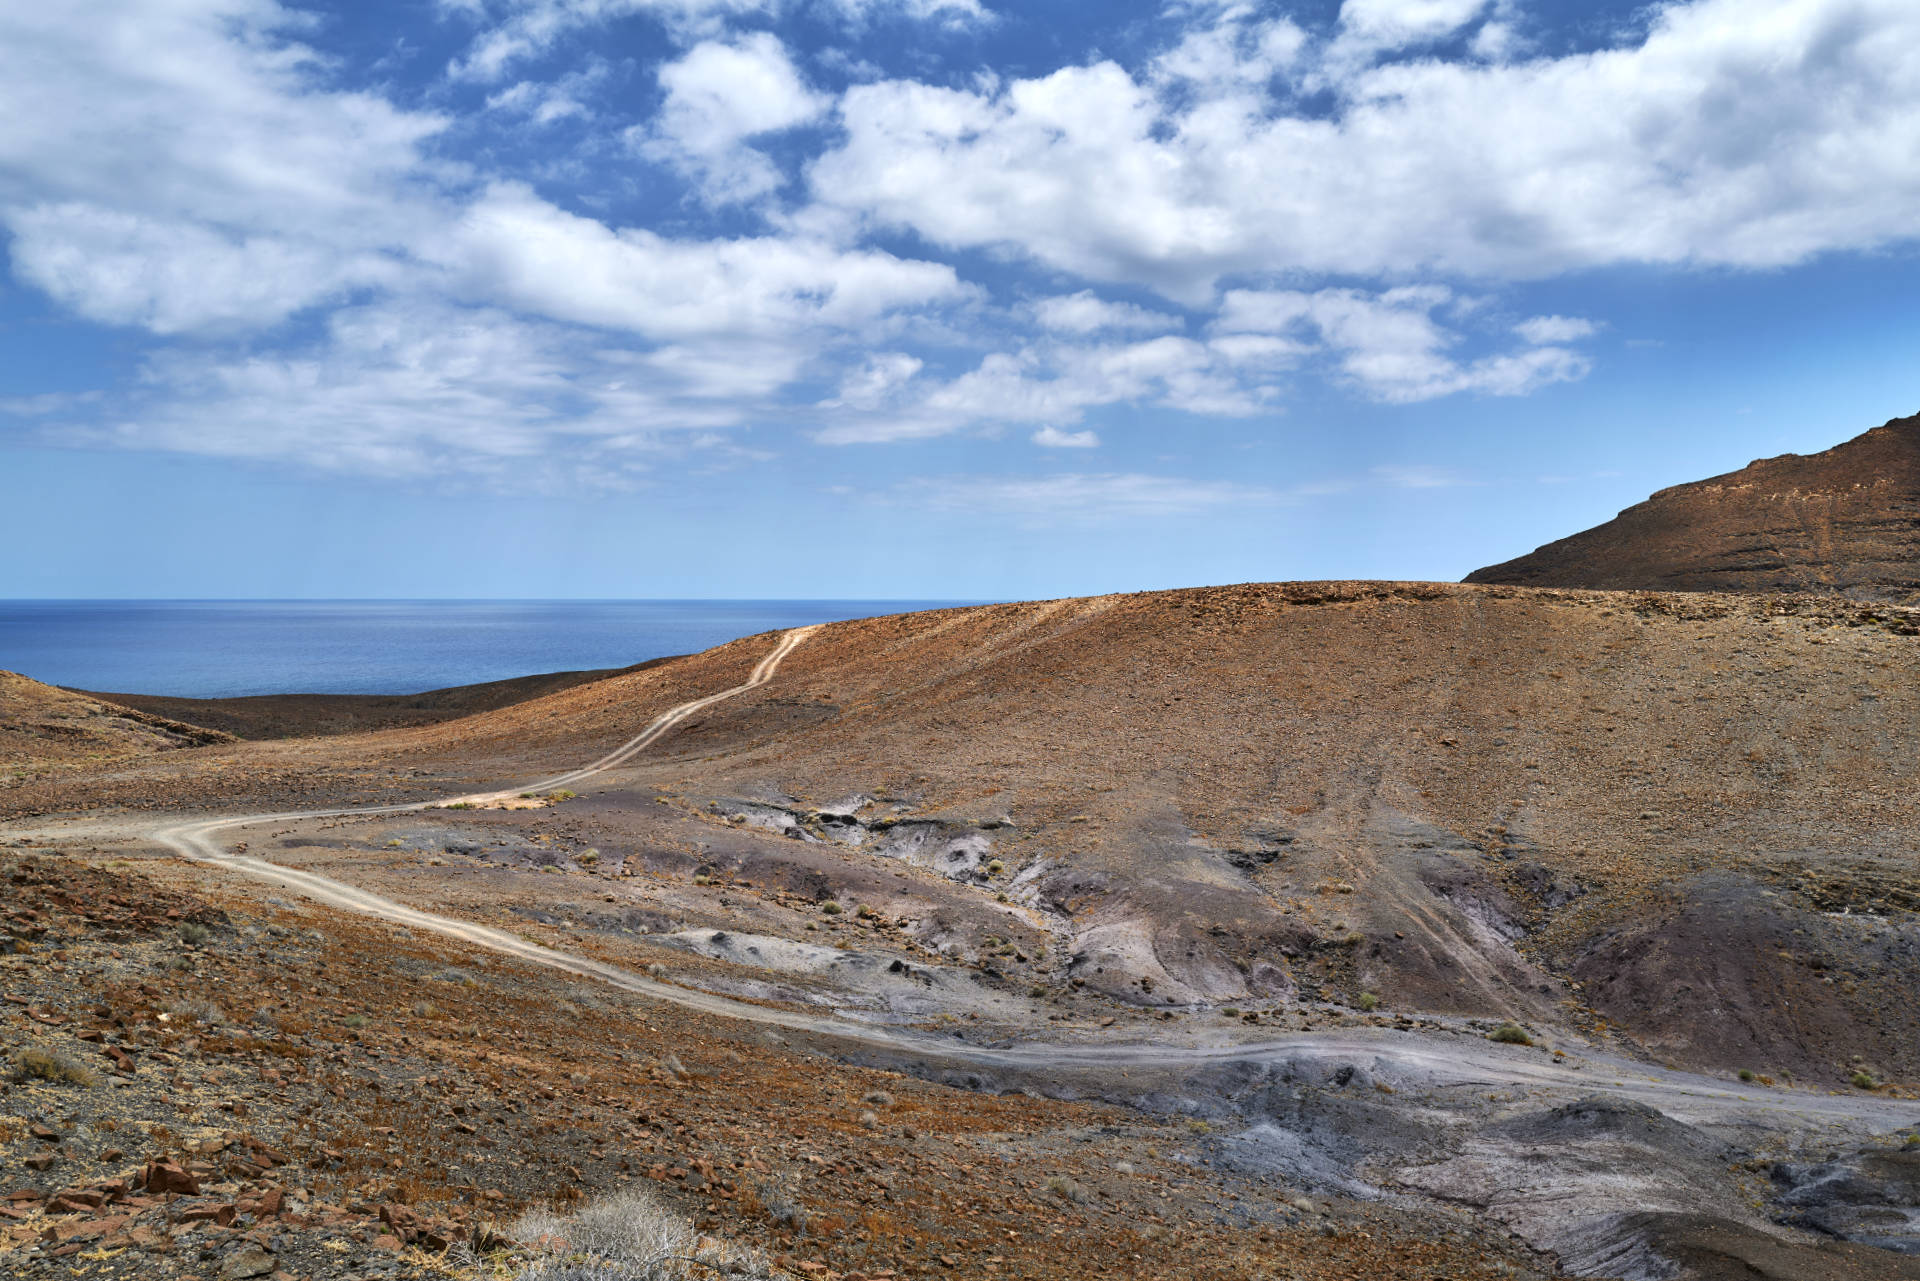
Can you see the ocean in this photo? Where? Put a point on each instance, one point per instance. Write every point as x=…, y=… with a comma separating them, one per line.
x=224, y=649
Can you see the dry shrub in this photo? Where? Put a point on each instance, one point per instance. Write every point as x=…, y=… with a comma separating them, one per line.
x=197, y=1011
x=628, y=1235
x=780, y=1205
x=1067, y=1190
x=36, y=1064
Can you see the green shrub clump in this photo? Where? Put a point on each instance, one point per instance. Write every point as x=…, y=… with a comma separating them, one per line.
x=1510, y=1034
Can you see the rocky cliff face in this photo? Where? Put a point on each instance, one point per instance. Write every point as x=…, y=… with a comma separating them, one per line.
x=1845, y=521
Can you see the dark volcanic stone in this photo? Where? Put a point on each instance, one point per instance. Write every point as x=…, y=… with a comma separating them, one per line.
x=1706, y=1248
x=1845, y=521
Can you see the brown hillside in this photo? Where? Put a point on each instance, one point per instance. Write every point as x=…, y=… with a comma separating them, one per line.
x=1677, y=828
x=46, y=729
x=1493, y=801
x=300, y=715
x=1844, y=521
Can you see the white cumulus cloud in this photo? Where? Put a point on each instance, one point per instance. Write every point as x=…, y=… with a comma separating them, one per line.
x=175, y=276
x=512, y=246
x=956, y=13
x=1394, y=24
x=1087, y=313
x=720, y=95
x=1392, y=346
x=173, y=165
x=1054, y=438
x=1544, y=330
x=1233, y=49
x=1340, y=196
x=416, y=389
x=512, y=31
x=1748, y=133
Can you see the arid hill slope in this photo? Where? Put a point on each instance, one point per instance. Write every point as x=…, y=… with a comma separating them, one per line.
x=1845, y=521
x=303, y=715
x=1690, y=818
x=45, y=729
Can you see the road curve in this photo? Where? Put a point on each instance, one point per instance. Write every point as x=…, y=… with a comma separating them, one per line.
x=1438, y=1062
x=195, y=840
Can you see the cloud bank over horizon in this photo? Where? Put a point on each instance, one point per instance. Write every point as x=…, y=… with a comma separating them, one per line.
x=589, y=244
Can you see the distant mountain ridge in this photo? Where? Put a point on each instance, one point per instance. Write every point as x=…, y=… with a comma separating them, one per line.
x=1845, y=521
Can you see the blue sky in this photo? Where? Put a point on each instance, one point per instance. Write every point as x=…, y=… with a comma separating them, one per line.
x=922, y=298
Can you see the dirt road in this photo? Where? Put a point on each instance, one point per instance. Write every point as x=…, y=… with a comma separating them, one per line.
x=1433, y=1061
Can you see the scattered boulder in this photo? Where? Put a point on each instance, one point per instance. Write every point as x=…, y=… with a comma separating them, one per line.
x=247, y=1261
x=163, y=1176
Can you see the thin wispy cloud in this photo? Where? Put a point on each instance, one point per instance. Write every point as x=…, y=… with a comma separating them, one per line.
x=1095, y=496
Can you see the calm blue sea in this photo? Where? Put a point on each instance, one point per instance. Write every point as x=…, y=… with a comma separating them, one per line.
x=222, y=649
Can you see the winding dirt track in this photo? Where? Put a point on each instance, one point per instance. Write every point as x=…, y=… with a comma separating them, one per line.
x=1436, y=1062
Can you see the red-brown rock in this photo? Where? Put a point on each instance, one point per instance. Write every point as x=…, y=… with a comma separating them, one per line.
x=1845, y=521
x=167, y=1176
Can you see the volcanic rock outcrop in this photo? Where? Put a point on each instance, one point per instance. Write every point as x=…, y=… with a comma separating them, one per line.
x=1845, y=521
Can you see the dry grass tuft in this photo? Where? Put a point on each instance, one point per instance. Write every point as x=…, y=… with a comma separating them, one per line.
x=197, y=1011
x=1067, y=1190
x=629, y=1235
x=36, y=1064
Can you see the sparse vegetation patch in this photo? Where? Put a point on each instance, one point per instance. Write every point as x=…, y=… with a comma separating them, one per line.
x=52, y=1066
